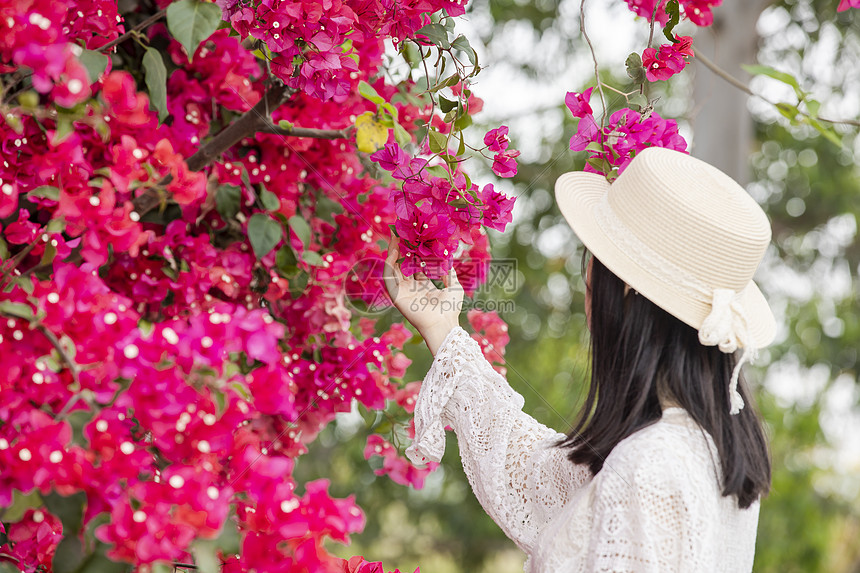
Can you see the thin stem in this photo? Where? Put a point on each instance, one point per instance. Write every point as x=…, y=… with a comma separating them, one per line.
x=650, y=40
x=432, y=101
x=725, y=75
x=594, y=58
x=143, y=25
x=653, y=18
x=708, y=63
x=345, y=133
x=619, y=92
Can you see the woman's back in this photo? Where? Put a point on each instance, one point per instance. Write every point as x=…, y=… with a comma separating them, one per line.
x=655, y=506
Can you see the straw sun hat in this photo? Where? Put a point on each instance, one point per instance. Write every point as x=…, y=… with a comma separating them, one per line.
x=686, y=236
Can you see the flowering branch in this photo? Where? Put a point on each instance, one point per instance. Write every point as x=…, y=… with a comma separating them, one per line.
x=345, y=133
x=52, y=338
x=733, y=81
x=255, y=120
x=55, y=342
x=145, y=24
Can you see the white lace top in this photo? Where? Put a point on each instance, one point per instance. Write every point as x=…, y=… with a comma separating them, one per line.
x=655, y=506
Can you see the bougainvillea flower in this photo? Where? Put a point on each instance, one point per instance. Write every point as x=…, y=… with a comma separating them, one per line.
x=645, y=9
x=578, y=104
x=497, y=139
x=498, y=207
x=505, y=163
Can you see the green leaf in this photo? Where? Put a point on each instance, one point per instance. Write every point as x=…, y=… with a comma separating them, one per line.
x=228, y=200
x=206, y=556
x=65, y=127
x=56, y=226
x=451, y=80
x=70, y=509
x=674, y=12
x=17, y=309
x=787, y=110
x=301, y=228
x=812, y=106
x=392, y=111
x=435, y=171
x=326, y=208
x=284, y=124
x=828, y=133
x=599, y=164
x=312, y=258
x=770, y=72
x=156, y=81
x=462, y=43
x=48, y=254
x=286, y=261
x=438, y=142
x=298, y=284
x=191, y=22
x=95, y=63
x=595, y=146
x=401, y=135
x=446, y=105
x=69, y=554
x=463, y=122
x=264, y=233
x=45, y=191
x=635, y=69
x=367, y=92
x=269, y=200
x=20, y=504
x=436, y=34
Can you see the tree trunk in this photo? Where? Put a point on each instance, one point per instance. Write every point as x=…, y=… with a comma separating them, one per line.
x=722, y=126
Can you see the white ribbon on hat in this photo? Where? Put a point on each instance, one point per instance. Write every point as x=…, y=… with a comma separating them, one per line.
x=726, y=327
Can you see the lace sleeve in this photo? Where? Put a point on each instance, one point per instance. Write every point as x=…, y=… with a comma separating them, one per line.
x=521, y=481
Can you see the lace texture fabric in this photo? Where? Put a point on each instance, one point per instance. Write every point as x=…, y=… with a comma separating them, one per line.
x=655, y=506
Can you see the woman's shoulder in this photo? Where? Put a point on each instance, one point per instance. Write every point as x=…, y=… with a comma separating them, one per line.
x=673, y=450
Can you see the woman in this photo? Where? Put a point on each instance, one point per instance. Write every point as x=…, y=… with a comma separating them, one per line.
x=665, y=465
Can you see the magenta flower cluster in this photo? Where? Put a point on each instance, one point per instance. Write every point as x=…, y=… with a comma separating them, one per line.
x=669, y=59
x=307, y=37
x=697, y=11
x=158, y=365
x=436, y=213
x=625, y=134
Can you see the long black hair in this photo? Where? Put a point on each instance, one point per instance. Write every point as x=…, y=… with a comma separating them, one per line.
x=635, y=347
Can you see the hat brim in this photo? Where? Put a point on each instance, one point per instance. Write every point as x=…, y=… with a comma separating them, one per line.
x=578, y=193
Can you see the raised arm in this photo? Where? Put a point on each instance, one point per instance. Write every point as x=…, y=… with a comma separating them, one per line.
x=519, y=478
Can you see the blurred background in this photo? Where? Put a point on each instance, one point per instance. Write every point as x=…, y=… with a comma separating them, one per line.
x=806, y=382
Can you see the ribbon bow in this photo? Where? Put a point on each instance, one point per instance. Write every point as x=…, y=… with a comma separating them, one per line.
x=726, y=327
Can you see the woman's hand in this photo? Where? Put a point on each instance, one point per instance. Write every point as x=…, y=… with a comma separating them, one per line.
x=433, y=311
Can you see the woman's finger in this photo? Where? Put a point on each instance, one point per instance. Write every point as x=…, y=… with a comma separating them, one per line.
x=451, y=280
x=391, y=274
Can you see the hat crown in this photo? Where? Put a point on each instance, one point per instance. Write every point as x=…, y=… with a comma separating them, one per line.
x=693, y=216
